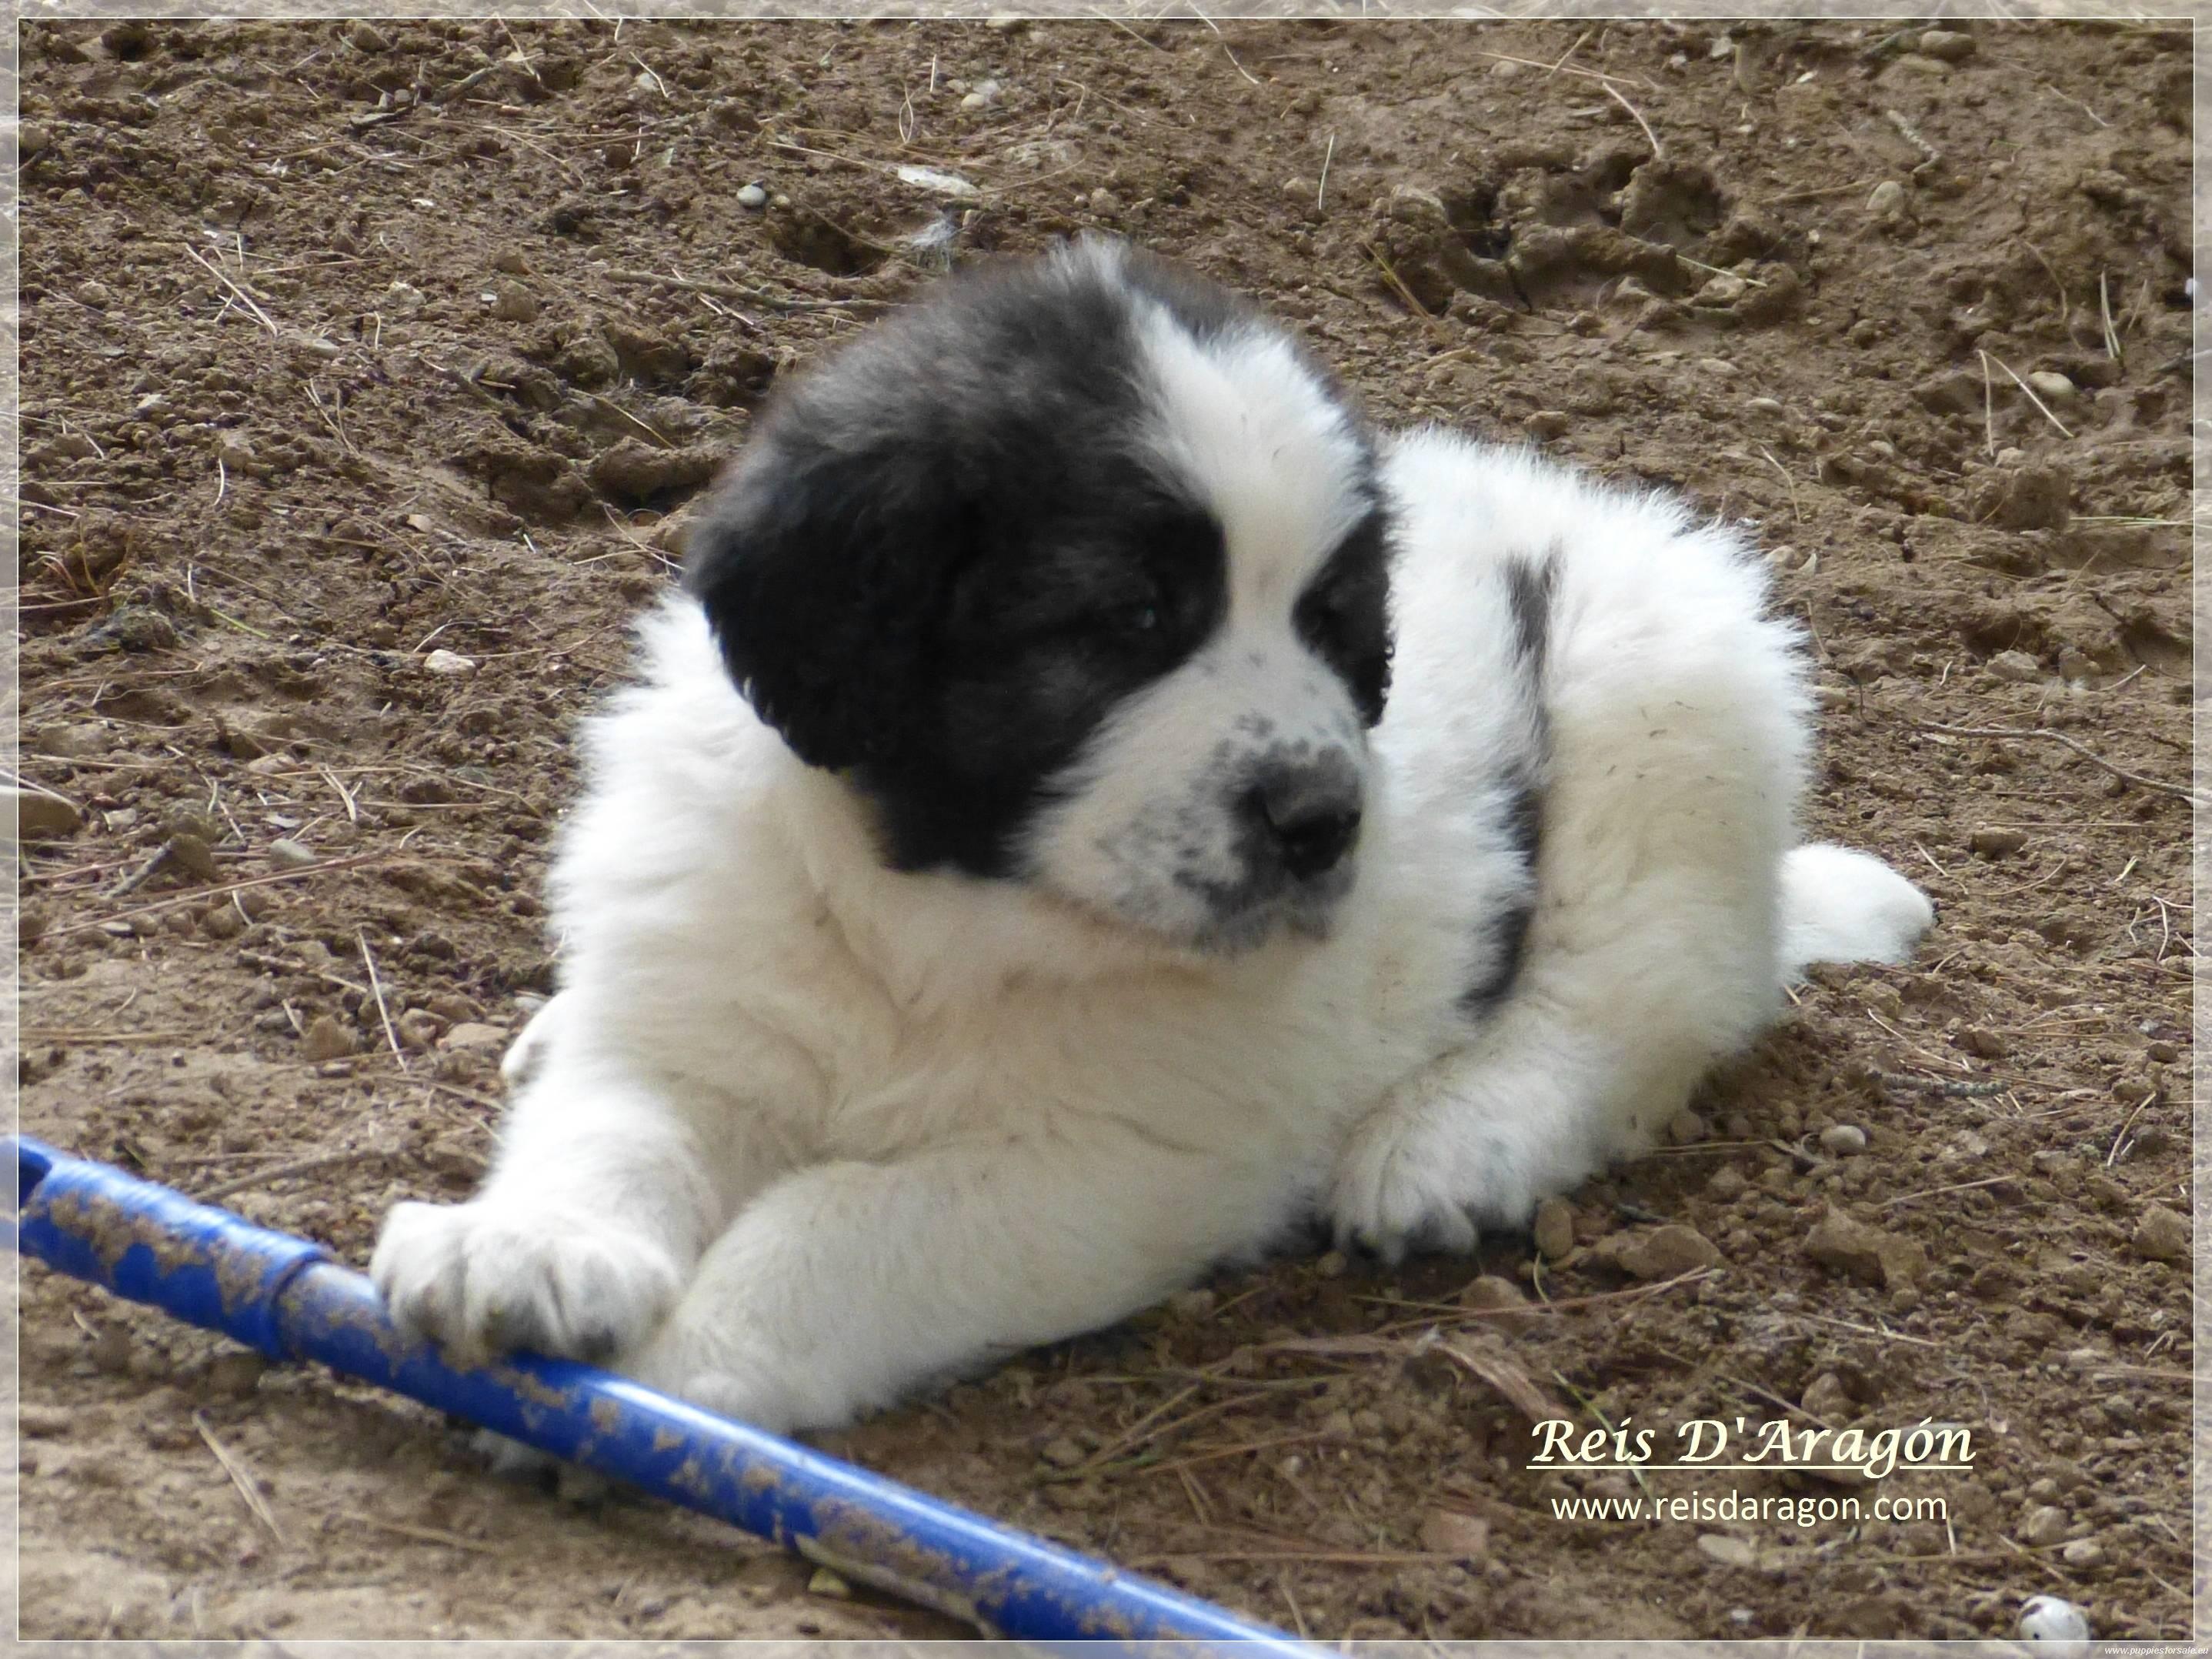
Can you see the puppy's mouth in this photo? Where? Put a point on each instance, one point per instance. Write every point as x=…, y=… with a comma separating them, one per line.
x=1245, y=916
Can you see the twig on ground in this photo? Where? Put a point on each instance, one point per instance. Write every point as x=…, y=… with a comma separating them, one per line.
x=243, y=298
x=376, y=990
x=193, y=898
x=1226, y=48
x=427, y=1534
x=2178, y=791
x=1613, y=92
x=2029, y=390
x=1955, y=1187
x=287, y=1171
x=241, y=1477
x=737, y=291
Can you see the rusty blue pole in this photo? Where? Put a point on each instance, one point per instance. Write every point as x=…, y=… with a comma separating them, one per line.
x=285, y=1297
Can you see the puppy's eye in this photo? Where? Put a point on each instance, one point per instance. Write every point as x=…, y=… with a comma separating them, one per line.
x=1137, y=618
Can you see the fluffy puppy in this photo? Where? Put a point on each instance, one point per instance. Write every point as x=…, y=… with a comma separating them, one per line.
x=1015, y=883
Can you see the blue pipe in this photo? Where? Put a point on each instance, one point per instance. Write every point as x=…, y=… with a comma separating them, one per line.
x=285, y=1297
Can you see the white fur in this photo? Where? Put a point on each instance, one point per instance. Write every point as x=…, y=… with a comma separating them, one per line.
x=799, y=1133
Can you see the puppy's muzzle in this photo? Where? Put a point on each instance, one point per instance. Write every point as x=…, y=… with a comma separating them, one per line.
x=1302, y=816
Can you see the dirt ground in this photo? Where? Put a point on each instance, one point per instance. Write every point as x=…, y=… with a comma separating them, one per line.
x=368, y=369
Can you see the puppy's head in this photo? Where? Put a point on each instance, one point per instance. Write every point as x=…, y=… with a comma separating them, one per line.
x=1076, y=571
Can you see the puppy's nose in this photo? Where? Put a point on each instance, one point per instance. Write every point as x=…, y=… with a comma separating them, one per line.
x=1310, y=814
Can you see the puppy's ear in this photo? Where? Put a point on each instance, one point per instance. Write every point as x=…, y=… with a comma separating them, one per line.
x=821, y=570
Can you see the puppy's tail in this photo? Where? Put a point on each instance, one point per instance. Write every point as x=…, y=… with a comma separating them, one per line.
x=1842, y=906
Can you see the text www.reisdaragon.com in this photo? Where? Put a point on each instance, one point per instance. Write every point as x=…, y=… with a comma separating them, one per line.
x=1798, y=1511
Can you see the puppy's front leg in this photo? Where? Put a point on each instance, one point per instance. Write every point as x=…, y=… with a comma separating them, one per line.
x=846, y=1285
x=607, y=1185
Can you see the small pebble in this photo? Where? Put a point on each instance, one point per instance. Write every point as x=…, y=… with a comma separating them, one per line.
x=110, y=1350
x=1728, y=1552
x=2045, y=1524
x=1864, y=1252
x=1450, y=1532
x=1492, y=1293
x=452, y=663
x=1062, y=1452
x=39, y=817
x=1843, y=1140
x=33, y=139
x=1553, y=1228
x=1981, y=1040
x=2054, y=386
x=753, y=198
x=826, y=1583
x=290, y=852
x=1685, y=1128
x=1826, y=1396
x=1994, y=843
x=2057, y=1623
x=95, y=294
x=1728, y=1184
x=1191, y=1304
x=1887, y=202
x=2015, y=666
x=2162, y=1235
x=191, y=854
x=367, y=37
x=2083, y=1552
x=236, y=1375
x=473, y=1033
x=1947, y=46
x=326, y=1039
x=1662, y=1253
x=511, y=303
x=512, y=262
x=44, y=1422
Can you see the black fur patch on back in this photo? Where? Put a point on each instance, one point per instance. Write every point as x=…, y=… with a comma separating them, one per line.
x=1530, y=584
x=1508, y=930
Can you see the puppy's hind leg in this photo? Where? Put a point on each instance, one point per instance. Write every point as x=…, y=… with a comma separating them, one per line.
x=1842, y=906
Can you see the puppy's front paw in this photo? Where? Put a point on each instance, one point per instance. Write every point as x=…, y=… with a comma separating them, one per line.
x=1428, y=1170
x=486, y=1278
x=1393, y=1195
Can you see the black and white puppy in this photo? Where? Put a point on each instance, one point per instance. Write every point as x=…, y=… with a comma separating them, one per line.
x=1017, y=882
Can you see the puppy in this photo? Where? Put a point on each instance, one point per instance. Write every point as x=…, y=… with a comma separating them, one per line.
x=1096, y=807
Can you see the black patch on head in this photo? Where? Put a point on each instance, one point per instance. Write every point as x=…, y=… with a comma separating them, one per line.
x=946, y=555
x=1344, y=615
x=1508, y=931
